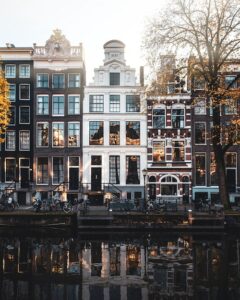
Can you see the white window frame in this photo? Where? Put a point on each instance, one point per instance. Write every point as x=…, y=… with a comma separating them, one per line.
x=15, y=90
x=42, y=95
x=61, y=146
x=53, y=171
x=78, y=140
x=40, y=146
x=21, y=84
x=21, y=149
x=58, y=115
x=28, y=114
x=6, y=75
x=6, y=149
x=42, y=87
x=24, y=76
x=74, y=95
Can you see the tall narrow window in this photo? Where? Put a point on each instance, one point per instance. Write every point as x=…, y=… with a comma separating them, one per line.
x=24, y=140
x=132, y=169
x=58, y=81
x=159, y=118
x=177, y=151
x=42, y=134
x=42, y=80
x=213, y=173
x=58, y=134
x=158, y=151
x=73, y=105
x=200, y=166
x=12, y=115
x=114, y=135
x=10, y=174
x=58, y=105
x=132, y=103
x=178, y=118
x=42, y=105
x=58, y=170
x=73, y=80
x=231, y=171
x=24, y=114
x=73, y=134
x=10, y=143
x=24, y=91
x=42, y=170
x=12, y=92
x=200, y=106
x=133, y=133
x=200, y=133
x=73, y=173
x=114, y=103
x=114, y=169
x=96, y=133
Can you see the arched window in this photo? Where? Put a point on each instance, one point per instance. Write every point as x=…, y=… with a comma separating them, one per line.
x=169, y=186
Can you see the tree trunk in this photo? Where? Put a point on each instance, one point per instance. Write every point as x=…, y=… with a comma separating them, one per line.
x=221, y=173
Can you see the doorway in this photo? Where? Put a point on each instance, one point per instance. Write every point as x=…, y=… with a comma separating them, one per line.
x=96, y=179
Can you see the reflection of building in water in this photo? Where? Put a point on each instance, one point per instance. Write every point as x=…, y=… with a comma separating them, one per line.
x=95, y=270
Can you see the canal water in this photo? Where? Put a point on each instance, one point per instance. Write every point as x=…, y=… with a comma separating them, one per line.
x=59, y=265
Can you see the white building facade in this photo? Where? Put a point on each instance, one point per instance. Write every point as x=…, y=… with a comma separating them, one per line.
x=114, y=138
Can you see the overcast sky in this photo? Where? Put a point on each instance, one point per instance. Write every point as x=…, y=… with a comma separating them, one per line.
x=92, y=22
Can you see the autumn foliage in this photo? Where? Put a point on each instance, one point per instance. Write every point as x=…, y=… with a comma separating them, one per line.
x=4, y=106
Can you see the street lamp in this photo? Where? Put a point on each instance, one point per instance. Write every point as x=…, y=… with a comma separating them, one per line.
x=144, y=172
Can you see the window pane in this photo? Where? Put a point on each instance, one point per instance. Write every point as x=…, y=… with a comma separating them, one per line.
x=58, y=174
x=178, y=118
x=133, y=169
x=96, y=103
x=58, y=81
x=200, y=107
x=24, y=140
x=10, y=169
x=73, y=134
x=74, y=80
x=213, y=173
x=114, y=135
x=230, y=160
x=200, y=169
x=114, y=169
x=132, y=133
x=200, y=133
x=158, y=151
x=43, y=105
x=10, y=71
x=73, y=105
x=24, y=71
x=42, y=80
x=96, y=133
x=58, y=105
x=42, y=170
x=42, y=134
x=10, y=142
x=24, y=91
x=177, y=151
x=12, y=92
x=132, y=103
x=12, y=115
x=114, y=103
x=58, y=134
x=74, y=161
x=159, y=118
x=114, y=78
x=24, y=115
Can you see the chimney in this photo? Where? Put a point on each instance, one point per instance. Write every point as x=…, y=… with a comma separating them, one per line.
x=142, y=76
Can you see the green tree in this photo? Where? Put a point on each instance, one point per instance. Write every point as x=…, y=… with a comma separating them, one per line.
x=207, y=34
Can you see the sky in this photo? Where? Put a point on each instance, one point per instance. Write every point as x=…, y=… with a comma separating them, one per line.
x=91, y=22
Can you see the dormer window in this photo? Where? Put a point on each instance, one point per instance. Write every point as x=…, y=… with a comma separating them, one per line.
x=114, y=78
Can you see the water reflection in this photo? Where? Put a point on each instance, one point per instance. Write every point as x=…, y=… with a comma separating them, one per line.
x=120, y=267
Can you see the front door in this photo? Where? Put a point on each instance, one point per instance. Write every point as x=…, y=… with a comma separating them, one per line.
x=24, y=177
x=96, y=179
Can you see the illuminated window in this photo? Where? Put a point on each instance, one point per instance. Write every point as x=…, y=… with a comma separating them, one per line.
x=73, y=134
x=42, y=134
x=58, y=134
x=114, y=133
x=96, y=133
x=200, y=166
x=158, y=151
x=177, y=151
x=132, y=133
